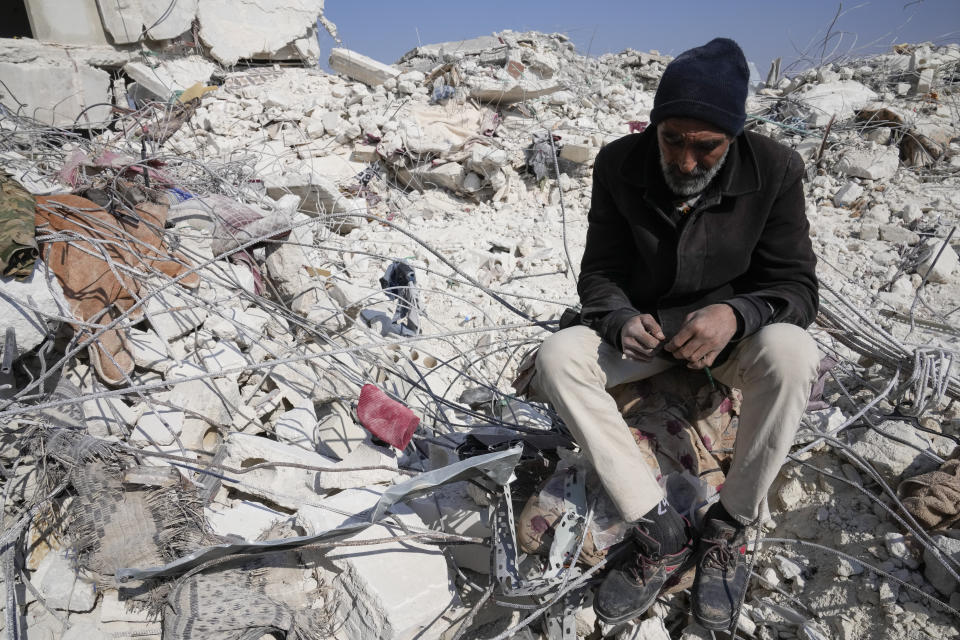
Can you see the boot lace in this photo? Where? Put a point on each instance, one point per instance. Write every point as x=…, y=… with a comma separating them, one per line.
x=721, y=554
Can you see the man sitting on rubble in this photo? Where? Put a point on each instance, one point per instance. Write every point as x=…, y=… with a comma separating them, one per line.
x=697, y=253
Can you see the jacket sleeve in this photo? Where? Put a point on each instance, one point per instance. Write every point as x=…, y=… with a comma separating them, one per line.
x=605, y=268
x=781, y=283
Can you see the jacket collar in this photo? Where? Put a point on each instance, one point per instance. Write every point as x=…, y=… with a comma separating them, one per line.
x=740, y=174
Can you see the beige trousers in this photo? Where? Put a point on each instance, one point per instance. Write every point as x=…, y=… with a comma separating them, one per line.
x=774, y=368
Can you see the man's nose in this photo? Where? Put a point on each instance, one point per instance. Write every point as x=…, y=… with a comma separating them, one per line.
x=688, y=161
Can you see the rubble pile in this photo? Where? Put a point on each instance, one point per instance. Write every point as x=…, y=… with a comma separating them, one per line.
x=262, y=361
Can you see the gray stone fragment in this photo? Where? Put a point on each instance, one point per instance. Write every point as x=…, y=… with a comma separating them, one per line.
x=361, y=68
x=933, y=569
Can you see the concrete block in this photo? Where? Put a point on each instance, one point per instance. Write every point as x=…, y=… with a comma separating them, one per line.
x=337, y=433
x=385, y=591
x=365, y=454
x=925, y=81
x=878, y=164
x=847, y=194
x=63, y=589
x=452, y=510
x=216, y=399
x=934, y=571
x=150, y=351
x=286, y=486
x=298, y=427
x=125, y=19
x=448, y=176
x=75, y=22
x=492, y=90
x=55, y=89
x=173, y=313
x=841, y=97
x=945, y=268
x=242, y=518
x=235, y=29
x=36, y=291
x=364, y=153
x=170, y=76
x=106, y=417
x=159, y=425
x=889, y=457
x=361, y=68
x=579, y=152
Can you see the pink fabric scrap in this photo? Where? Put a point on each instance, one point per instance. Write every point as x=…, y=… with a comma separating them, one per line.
x=384, y=417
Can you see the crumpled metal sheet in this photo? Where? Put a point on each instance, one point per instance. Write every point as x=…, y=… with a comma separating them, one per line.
x=497, y=466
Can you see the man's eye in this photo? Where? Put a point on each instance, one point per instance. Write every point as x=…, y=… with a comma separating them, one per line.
x=706, y=147
x=673, y=141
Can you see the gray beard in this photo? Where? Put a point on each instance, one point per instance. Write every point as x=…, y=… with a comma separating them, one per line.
x=690, y=184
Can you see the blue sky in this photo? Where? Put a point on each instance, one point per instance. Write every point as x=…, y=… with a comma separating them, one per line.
x=385, y=30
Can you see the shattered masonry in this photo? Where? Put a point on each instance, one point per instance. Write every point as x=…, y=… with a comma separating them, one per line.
x=248, y=282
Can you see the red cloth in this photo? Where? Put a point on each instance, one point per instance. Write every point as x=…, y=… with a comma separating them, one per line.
x=384, y=417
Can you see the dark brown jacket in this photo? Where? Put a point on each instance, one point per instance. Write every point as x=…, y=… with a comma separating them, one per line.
x=745, y=243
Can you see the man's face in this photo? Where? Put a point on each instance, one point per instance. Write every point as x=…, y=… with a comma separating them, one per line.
x=692, y=152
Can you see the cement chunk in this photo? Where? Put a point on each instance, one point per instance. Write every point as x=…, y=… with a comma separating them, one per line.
x=934, y=571
x=361, y=68
x=242, y=518
x=877, y=164
x=126, y=19
x=235, y=29
x=890, y=457
x=365, y=455
x=286, y=486
x=56, y=89
x=946, y=266
x=60, y=585
x=386, y=591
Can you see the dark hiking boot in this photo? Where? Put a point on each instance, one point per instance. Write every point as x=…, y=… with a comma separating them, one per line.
x=721, y=577
x=630, y=589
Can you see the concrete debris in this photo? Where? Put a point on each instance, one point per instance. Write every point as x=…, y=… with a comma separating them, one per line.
x=127, y=21
x=359, y=67
x=291, y=190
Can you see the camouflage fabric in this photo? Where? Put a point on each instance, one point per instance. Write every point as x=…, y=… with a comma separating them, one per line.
x=18, y=248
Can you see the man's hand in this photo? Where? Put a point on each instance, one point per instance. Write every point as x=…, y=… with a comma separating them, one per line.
x=704, y=334
x=640, y=337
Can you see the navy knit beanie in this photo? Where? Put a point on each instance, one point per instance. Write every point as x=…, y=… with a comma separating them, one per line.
x=708, y=83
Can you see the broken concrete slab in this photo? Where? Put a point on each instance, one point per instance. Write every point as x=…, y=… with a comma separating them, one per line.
x=847, y=194
x=54, y=88
x=366, y=454
x=36, y=291
x=61, y=586
x=173, y=312
x=337, y=432
x=933, y=569
x=509, y=90
x=387, y=591
x=109, y=417
x=942, y=271
x=76, y=22
x=841, y=97
x=298, y=427
x=242, y=518
x=890, y=457
x=171, y=75
x=872, y=164
x=150, y=351
x=359, y=67
x=288, y=487
x=127, y=20
x=158, y=425
x=234, y=29
x=318, y=195
x=452, y=510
